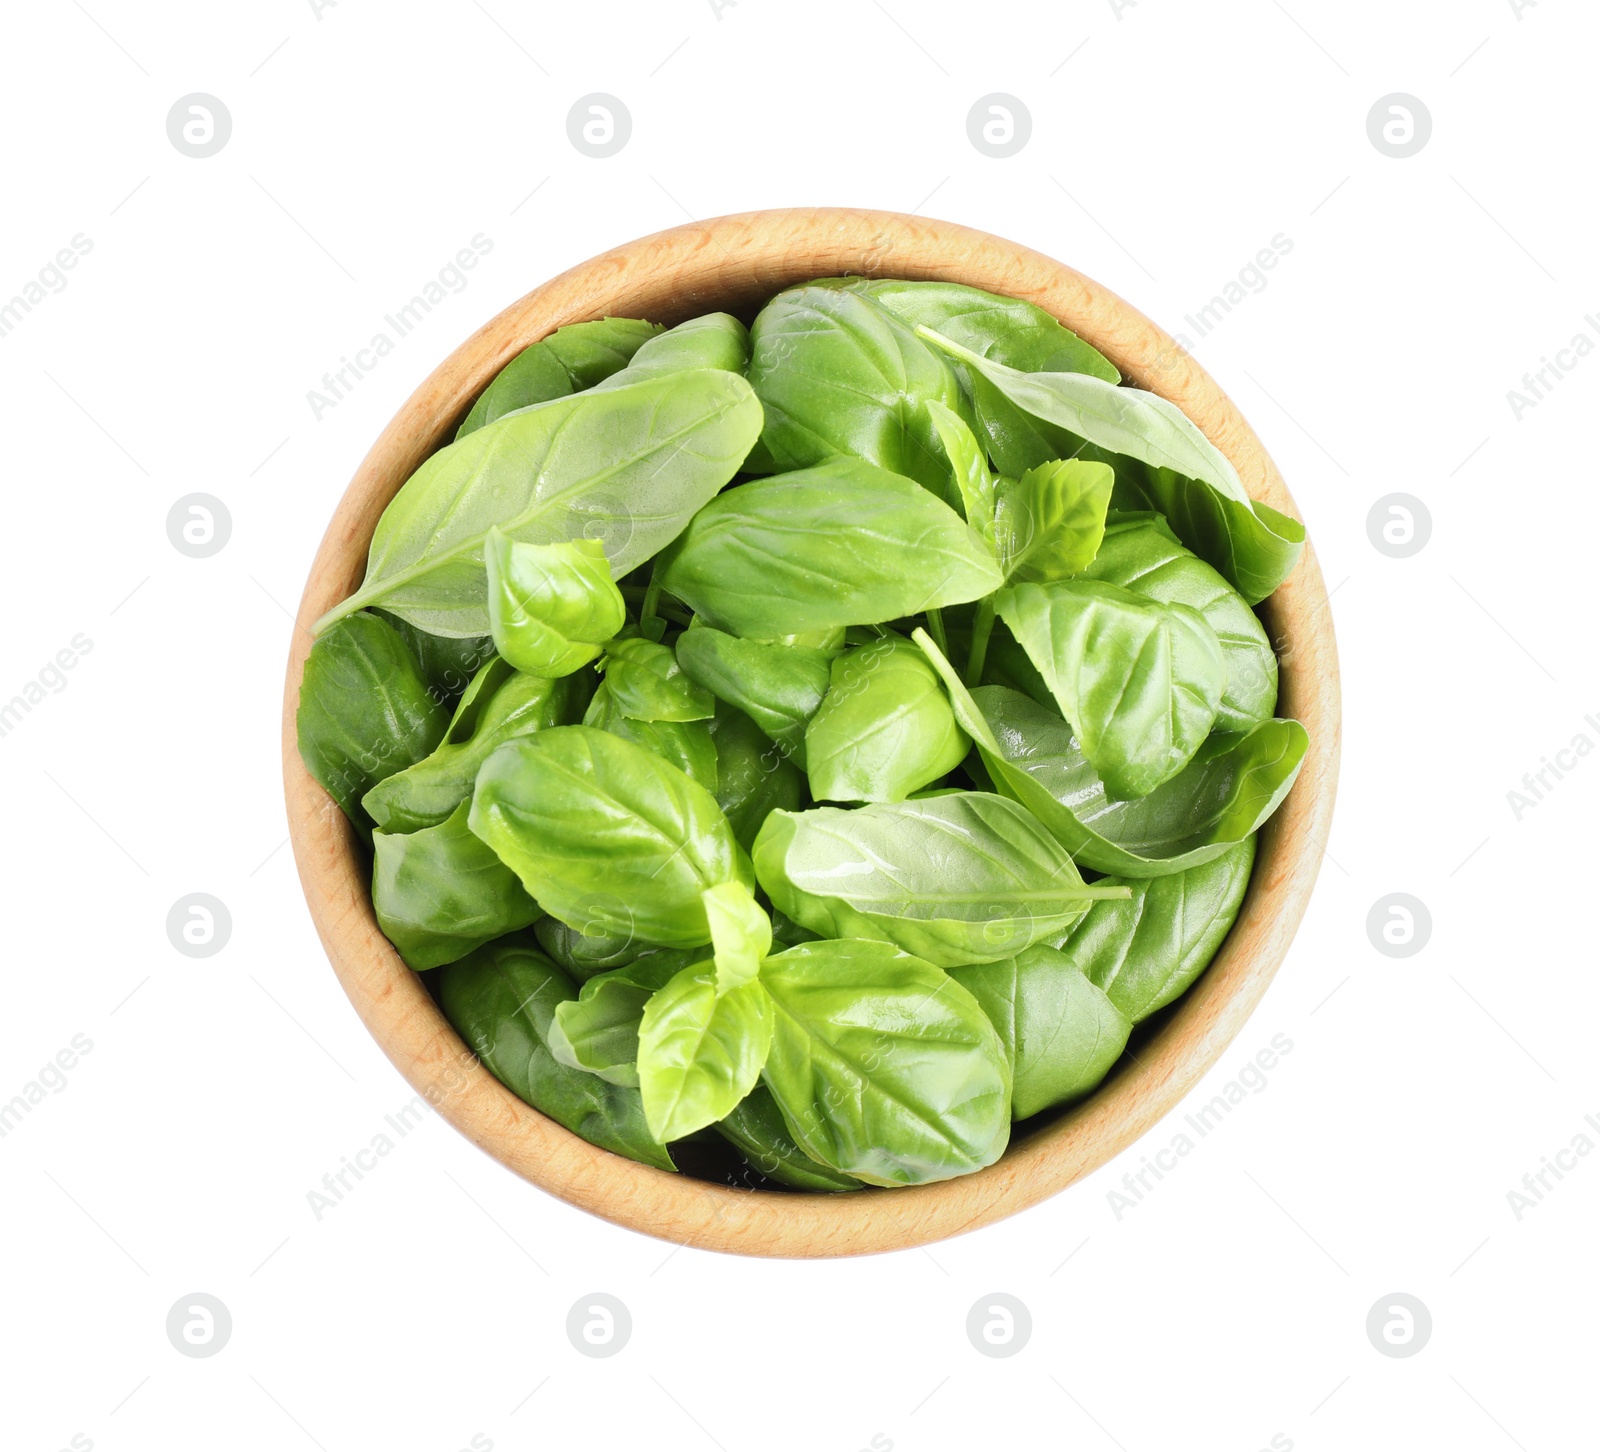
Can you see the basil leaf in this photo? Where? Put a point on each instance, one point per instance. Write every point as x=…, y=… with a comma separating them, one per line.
x=448, y=663
x=717, y=340
x=884, y=730
x=501, y=1001
x=1233, y=784
x=687, y=745
x=1061, y=1033
x=1185, y=476
x=778, y=686
x=439, y=893
x=837, y=374
x=1007, y=664
x=629, y=466
x=1049, y=524
x=551, y=607
x=754, y=777
x=364, y=712
x=1007, y=329
x=765, y=559
x=883, y=1066
x=648, y=684
x=975, y=485
x=741, y=934
x=584, y=952
x=701, y=1050
x=602, y=831
x=1139, y=680
x=1148, y=951
x=968, y=877
x=570, y=360
x=756, y=1129
x=1141, y=554
x=598, y=1031
x=500, y=705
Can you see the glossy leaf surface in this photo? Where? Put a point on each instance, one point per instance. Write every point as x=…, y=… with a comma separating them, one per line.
x=440, y=892
x=769, y=558
x=551, y=607
x=1139, y=680
x=1061, y=1033
x=1182, y=472
x=603, y=832
x=1149, y=950
x=570, y=360
x=838, y=375
x=629, y=467
x=883, y=1066
x=885, y=728
x=500, y=705
x=501, y=1000
x=968, y=877
x=778, y=686
x=365, y=711
x=701, y=1050
x=1141, y=554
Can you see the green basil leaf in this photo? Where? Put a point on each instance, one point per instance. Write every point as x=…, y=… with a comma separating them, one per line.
x=570, y=360
x=584, y=952
x=1233, y=784
x=975, y=485
x=365, y=711
x=1007, y=329
x=648, y=684
x=551, y=607
x=1185, y=476
x=1141, y=554
x=700, y=1050
x=599, y=1030
x=1139, y=680
x=766, y=559
x=717, y=340
x=969, y=877
x=885, y=728
x=602, y=831
x=778, y=686
x=630, y=466
x=883, y=1066
x=500, y=705
x=756, y=1129
x=1061, y=1033
x=754, y=776
x=502, y=1000
x=1147, y=951
x=593, y=352
x=448, y=663
x=439, y=893
x=1049, y=523
x=688, y=745
x=1007, y=664
x=838, y=375
x=741, y=934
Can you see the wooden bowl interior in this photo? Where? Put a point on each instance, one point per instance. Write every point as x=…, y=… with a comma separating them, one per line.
x=734, y=264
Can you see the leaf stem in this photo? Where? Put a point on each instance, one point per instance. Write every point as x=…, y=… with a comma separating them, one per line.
x=982, y=627
x=936, y=629
x=652, y=598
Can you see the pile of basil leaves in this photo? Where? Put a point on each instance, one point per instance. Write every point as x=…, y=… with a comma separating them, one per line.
x=841, y=817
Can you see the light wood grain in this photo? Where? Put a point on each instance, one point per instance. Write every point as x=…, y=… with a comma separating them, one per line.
x=734, y=263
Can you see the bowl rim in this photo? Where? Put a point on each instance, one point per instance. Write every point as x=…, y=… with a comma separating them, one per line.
x=735, y=262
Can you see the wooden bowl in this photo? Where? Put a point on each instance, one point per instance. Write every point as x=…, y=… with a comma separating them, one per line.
x=735, y=263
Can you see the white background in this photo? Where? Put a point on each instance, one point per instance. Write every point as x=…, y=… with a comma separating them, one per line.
x=1170, y=143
